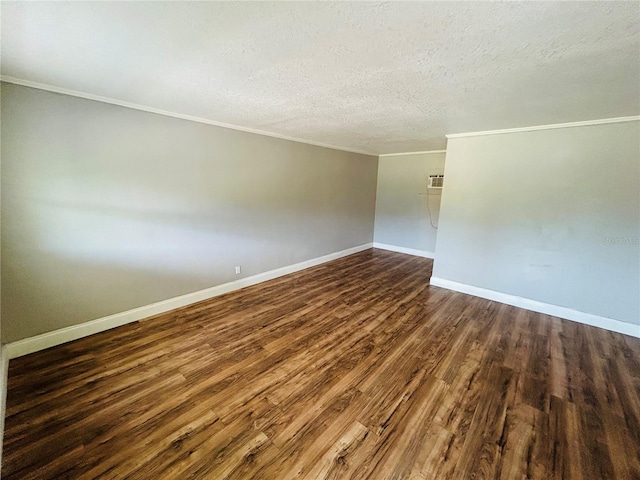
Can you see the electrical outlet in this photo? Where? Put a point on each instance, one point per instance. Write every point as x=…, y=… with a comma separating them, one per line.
x=238, y=269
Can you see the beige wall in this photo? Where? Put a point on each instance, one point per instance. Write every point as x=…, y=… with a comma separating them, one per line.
x=106, y=208
x=402, y=213
x=550, y=215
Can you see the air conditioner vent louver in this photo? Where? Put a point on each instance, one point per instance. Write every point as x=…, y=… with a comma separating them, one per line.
x=436, y=181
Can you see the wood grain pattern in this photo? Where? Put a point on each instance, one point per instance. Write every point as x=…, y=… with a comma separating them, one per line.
x=355, y=369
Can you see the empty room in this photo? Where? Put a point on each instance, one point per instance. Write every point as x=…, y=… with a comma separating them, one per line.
x=320, y=240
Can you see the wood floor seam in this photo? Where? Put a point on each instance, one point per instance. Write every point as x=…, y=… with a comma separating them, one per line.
x=354, y=369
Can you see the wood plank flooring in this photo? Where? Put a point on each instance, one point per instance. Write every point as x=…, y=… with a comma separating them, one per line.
x=355, y=369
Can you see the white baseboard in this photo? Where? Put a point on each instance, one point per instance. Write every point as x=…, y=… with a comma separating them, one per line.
x=4, y=371
x=74, y=332
x=541, y=307
x=408, y=251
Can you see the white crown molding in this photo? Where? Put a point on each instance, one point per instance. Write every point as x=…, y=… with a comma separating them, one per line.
x=409, y=251
x=74, y=332
x=547, y=127
x=144, y=108
x=541, y=307
x=411, y=153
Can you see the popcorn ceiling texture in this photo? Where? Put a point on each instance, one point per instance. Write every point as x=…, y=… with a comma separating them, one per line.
x=375, y=77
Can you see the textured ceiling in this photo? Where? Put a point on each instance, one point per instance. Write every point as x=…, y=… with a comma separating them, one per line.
x=374, y=77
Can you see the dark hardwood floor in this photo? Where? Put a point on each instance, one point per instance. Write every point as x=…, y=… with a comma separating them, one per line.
x=355, y=369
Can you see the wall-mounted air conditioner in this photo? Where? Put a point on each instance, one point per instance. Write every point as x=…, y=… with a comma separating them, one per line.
x=435, y=181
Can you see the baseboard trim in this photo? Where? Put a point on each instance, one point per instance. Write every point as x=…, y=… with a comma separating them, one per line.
x=408, y=251
x=4, y=373
x=74, y=332
x=541, y=307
